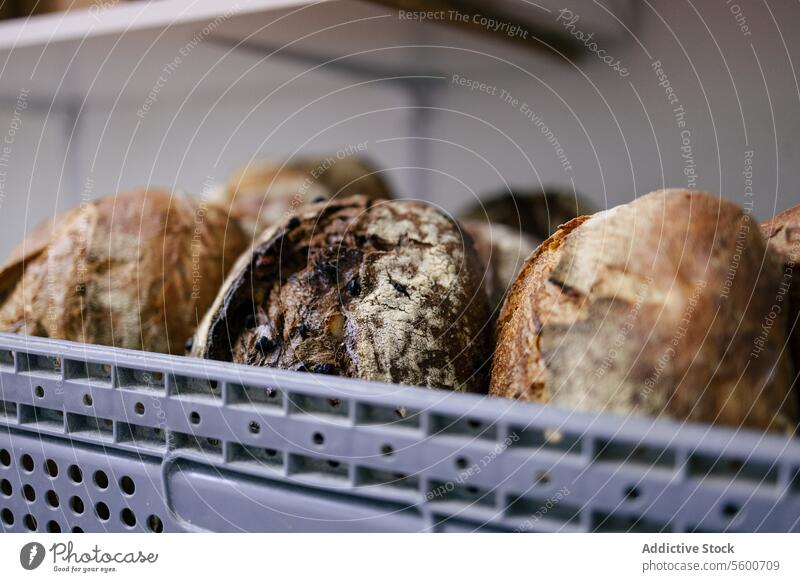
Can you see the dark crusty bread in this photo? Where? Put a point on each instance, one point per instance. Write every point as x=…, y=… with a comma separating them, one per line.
x=263, y=193
x=653, y=308
x=502, y=251
x=783, y=238
x=136, y=270
x=536, y=213
x=374, y=290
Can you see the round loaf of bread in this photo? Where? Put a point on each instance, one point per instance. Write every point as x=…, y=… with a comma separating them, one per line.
x=263, y=193
x=783, y=238
x=386, y=291
x=535, y=213
x=137, y=270
x=502, y=251
x=654, y=307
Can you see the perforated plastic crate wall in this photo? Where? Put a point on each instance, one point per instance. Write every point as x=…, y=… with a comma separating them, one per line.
x=101, y=439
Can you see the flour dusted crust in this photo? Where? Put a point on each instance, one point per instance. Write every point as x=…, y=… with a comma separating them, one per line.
x=653, y=307
x=136, y=270
x=783, y=238
x=386, y=291
x=502, y=252
x=263, y=194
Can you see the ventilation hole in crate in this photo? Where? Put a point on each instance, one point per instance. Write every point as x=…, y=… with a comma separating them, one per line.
x=445, y=425
x=548, y=439
x=391, y=417
x=795, y=485
x=462, y=463
x=101, y=479
x=256, y=456
x=51, y=468
x=93, y=426
x=604, y=522
x=101, y=511
x=53, y=526
x=5, y=458
x=374, y=477
x=6, y=488
x=43, y=417
x=195, y=387
x=551, y=509
x=209, y=446
x=142, y=436
x=631, y=493
x=448, y=491
x=37, y=364
x=301, y=464
x=138, y=408
x=134, y=379
x=317, y=405
x=254, y=427
x=29, y=493
x=7, y=516
x=30, y=522
x=542, y=478
x=77, y=529
x=87, y=399
x=8, y=410
x=52, y=498
x=387, y=450
x=730, y=510
x=634, y=454
x=127, y=485
x=194, y=417
x=27, y=462
x=254, y=396
x=87, y=372
x=708, y=467
x=334, y=464
x=76, y=504
x=39, y=392
x=154, y=524
x=128, y=517
x=75, y=474
x=318, y=439
x=6, y=359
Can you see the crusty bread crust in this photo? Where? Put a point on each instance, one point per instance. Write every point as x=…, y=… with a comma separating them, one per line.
x=374, y=290
x=653, y=307
x=136, y=270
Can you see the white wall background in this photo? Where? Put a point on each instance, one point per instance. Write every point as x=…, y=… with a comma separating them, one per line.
x=739, y=92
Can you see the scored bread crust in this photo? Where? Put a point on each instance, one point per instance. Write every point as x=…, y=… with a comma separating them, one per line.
x=135, y=270
x=783, y=238
x=373, y=290
x=650, y=308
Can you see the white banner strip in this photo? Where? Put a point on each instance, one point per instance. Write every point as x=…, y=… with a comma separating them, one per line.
x=400, y=557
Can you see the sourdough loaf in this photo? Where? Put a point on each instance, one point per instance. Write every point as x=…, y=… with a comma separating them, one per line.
x=136, y=270
x=374, y=290
x=653, y=307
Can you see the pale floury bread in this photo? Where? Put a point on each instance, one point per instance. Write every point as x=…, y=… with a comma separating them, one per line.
x=653, y=307
x=377, y=290
x=135, y=270
x=502, y=251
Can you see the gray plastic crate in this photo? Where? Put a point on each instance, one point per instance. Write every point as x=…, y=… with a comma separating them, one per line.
x=101, y=439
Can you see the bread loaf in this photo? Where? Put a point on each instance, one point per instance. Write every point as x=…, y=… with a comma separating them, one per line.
x=502, y=252
x=535, y=213
x=372, y=290
x=783, y=238
x=263, y=194
x=136, y=270
x=653, y=307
